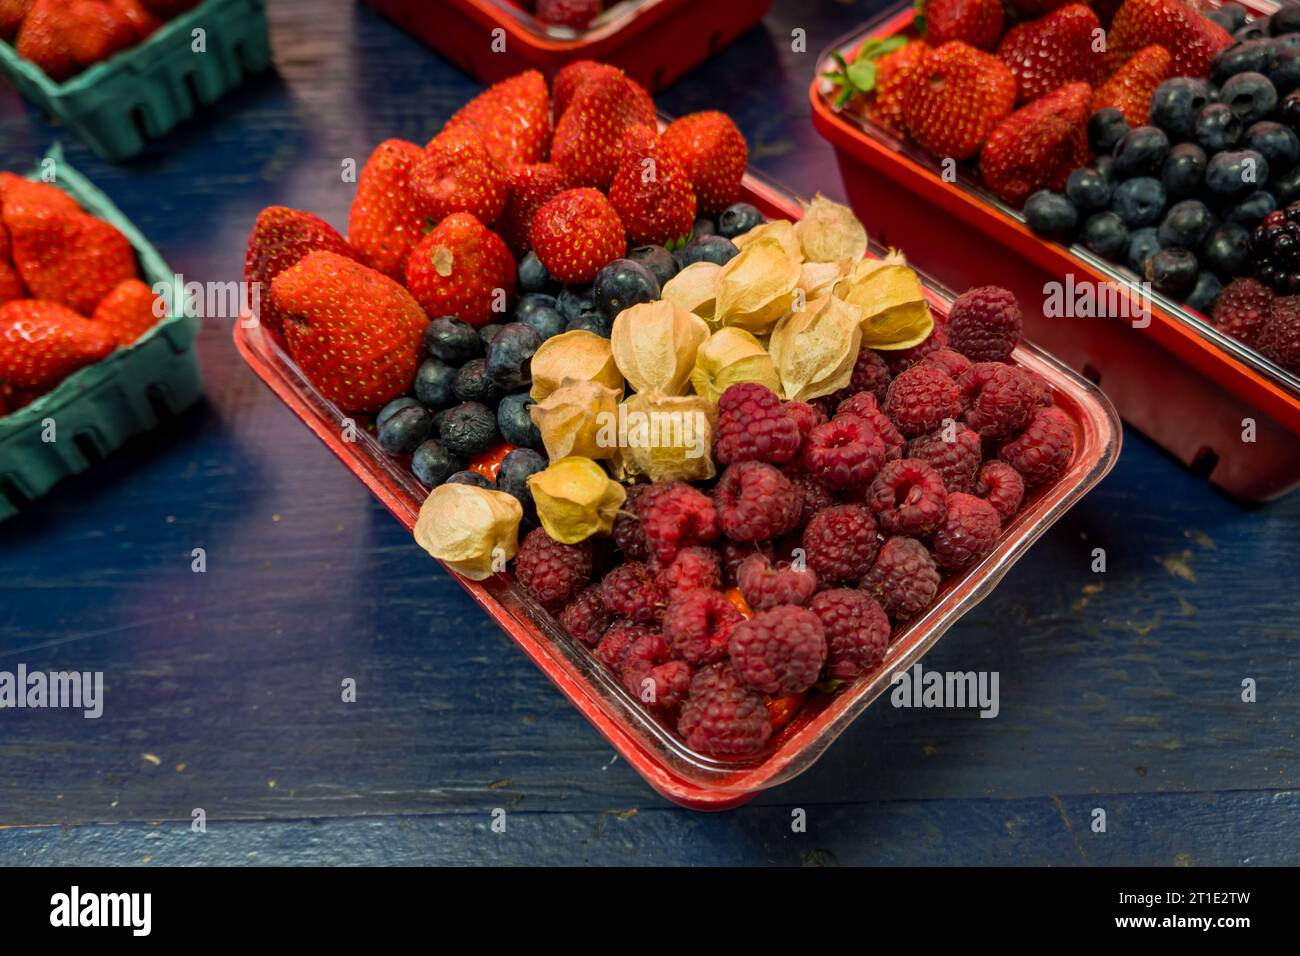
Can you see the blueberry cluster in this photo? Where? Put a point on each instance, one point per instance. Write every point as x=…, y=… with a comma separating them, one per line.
x=1176, y=200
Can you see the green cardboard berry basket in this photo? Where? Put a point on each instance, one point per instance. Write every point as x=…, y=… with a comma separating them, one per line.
x=96, y=409
x=145, y=91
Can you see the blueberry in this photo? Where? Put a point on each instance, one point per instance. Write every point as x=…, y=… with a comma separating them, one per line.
x=1249, y=95
x=738, y=219
x=1105, y=234
x=488, y=332
x=1286, y=186
x=621, y=284
x=1050, y=214
x=593, y=321
x=510, y=355
x=393, y=407
x=433, y=464
x=1204, y=293
x=1217, y=128
x=1257, y=29
x=1183, y=170
x=1253, y=56
x=433, y=383
x=516, y=424
x=1230, y=16
x=533, y=276
x=703, y=227
x=658, y=260
x=1249, y=211
x=1235, y=172
x=1185, y=224
x=1105, y=165
x=1285, y=41
x=1284, y=74
x=1139, y=202
x=1285, y=20
x=575, y=301
x=473, y=384
x=468, y=429
x=1142, y=245
x=1288, y=110
x=1172, y=270
x=1088, y=189
x=1275, y=142
x=530, y=303
x=404, y=429
x=471, y=478
x=453, y=341
x=1226, y=250
x=707, y=249
x=512, y=478
x=545, y=322
x=1176, y=102
x=1141, y=152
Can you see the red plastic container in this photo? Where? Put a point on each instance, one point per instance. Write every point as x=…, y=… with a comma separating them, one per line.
x=692, y=779
x=653, y=41
x=1180, y=380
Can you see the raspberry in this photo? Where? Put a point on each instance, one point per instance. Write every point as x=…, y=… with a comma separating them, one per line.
x=857, y=631
x=765, y=587
x=735, y=552
x=674, y=518
x=699, y=623
x=753, y=426
x=1038, y=385
x=616, y=641
x=1242, y=308
x=585, y=616
x=631, y=591
x=1044, y=448
x=627, y=525
x=1279, y=337
x=955, y=453
x=865, y=406
x=755, y=502
x=780, y=651
x=908, y=497
x=844, y=453
x=813, y=497
x=723, y=716
x=921, y=398
x=651, y=676
x=999, y=399
x=954, y=364
x=550, y=571
x=806, y=416
x=968, y=533
x=694, y=567
x=840, y=543
x=1001, y=486
x=984, y=324
x=870, y=374
x=904, y=578
x=902, y=359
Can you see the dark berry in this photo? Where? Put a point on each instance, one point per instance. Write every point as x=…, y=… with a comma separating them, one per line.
x=1276, y=143
x=1105, y=128
x=468, y=429
x=575, y=302
x=1204, y=293
x=532, y=302
x=1050, y=214
x=1285, y=187
x=1139, y=202
x=1185, y=224
x=621, y=284
x=1175, y=104
x=1230, y=16
x=453, y=341
x=533, y=276
x=1183, y=170
x=433, y=464
x=433, y=383
x=658, y=260
x=703, y=226
x=1217, y=128
x=1249, y=211
x=716, y=249
x=1172, y=270
x=468, y=477
x=1257, y=29
x=1284, y=73
x=402, y=431
x=1289, y=110
x=510, y=354
x=1141, y=152
x=473, y=384
x=738, y=219
x=1285, y=20
x=488, y=332
x=546, y=322
x=516, y=423
x=512, y=478
x=1142, y=245
x=1105, y=234
x=1250, y=96
x=1253, y=56
x=393, y=407
x=1089, y=189
x=1226, y=250
x=1235, y=172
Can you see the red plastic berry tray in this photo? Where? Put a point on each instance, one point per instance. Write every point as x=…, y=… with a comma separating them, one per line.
x=1181, y=381
x=693, y=779
x=646, y=38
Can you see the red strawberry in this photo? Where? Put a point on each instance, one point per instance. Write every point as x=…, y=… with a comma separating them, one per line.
x=11, y=17
x=67, y=257
x=513, y=118
x=1131, y=87
x=1191, y=39
x=129, y=311
x=43, y=41
x=568, y=13
x=16, y=189
x=96, y=30
x=874, y=79
x=569, y=78
x=1039, y=145
x=384, y=223
x=280, y=237
x=11, y=287
x=977, y=22
x=713, y=152
x=955, y=98
x=651, y=192
x=458, y=174
x=355, y=332
x=530, y=185
x=463, y=269
x=141, y=19
x=577, y=232
x=1063, y=47
x=589, y=136
x=42, y=343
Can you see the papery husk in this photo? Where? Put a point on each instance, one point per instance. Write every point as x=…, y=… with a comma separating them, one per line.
x=895, y=312
x=694, y=289
x=829, y=232
x=575, y=499
x=782, y=230
x=817, y=279
x=756, y=287
x=579, y=356
x=654, y=346
x=571, y=417
x=732, y=355
x=473, y=530
x=652, y=447
x=815, y=350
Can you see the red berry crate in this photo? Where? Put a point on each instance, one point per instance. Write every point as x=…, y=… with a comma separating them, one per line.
x=1183, y=383
x=692, y=779
x=653, y=41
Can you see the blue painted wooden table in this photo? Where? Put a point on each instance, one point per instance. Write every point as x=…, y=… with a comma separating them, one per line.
x=1119, y=691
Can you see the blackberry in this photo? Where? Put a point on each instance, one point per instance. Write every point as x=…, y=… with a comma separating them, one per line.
x=1275, y=248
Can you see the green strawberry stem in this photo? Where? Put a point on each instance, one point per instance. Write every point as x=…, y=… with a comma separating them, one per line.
x=859, y=77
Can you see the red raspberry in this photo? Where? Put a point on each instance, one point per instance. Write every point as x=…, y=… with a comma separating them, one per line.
x=723, y=716
x=813, y=497
x=585, y=616
x=902, y=359
x=780, y=651
x=753, y=426
x=984, y=324
x=1038, y=385
x=955, y=453
x=908, y=497
x=550, y=571
x=1279, y=336
x=735, y=552
x=651, y=676
x=840, y=543
x=921, y=398
x=694, y=567
x=675, y=518
x=617, y=640
x=968, y=533
x=699, y=623
x=870, y=374
x=1044, y=448
x=999, y=399
x=904, y=579
x=864, y=406
x=631, y=591
x=765, y=587
x=755, y=502
x=1242, y=308
x=954, y=364
x=806, y=416
x=844, y=453
x=1001, y=486
x=857, y=631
